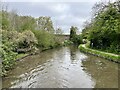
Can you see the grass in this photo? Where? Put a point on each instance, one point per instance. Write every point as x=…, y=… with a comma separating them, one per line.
x=19, y=56
x=106, y=55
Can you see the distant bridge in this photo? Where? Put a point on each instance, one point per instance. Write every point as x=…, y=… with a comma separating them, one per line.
x=63, y=36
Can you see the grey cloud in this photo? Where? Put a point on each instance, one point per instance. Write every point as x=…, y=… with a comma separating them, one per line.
x=62, y=14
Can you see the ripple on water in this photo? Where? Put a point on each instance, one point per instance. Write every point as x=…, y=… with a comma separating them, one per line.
x=63, y=68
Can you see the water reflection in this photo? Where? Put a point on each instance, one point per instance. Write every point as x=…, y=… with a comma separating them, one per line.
x=64, y=67
x=105, y=73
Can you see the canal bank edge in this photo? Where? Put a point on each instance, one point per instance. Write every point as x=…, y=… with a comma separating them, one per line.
x=109, y=56
x=22, y=56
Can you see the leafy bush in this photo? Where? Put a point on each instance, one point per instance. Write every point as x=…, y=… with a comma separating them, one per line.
x=87, y=44
x=68, y=42
x=58, y=41
x=26, y=41
x=45, y=39
x=78, y=39
x=8, y=57
x=12, y=41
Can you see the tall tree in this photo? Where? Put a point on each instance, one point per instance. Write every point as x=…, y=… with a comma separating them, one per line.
x=104, y=31
x=73, y=33
x=45, y=23
x=27, y=23
x=5, y=21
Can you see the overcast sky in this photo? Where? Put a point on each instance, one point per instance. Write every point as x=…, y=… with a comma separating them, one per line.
x=64, y=14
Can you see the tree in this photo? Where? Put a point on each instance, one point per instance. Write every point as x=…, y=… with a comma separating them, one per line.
x=76, y=39
x=73, y=32
x=104, y=30
x=5, y=21
x=85, y=32
x=45, y=39
x=27, y=23
x=12, y=19
x=45, y=23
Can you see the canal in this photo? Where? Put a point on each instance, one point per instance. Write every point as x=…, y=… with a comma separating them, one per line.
x=64, y=67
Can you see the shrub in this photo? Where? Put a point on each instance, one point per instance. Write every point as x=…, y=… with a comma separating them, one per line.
x=12, y=41
x=68, y=42
x=8, y=57
x=26, y=41
x=45, y=39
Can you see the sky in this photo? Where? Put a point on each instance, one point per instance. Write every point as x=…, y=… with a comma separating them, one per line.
x=64, y=13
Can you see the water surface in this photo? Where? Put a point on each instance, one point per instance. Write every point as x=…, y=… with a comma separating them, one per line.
x=64, y=67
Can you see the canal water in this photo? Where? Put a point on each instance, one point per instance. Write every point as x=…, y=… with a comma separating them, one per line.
x=64, y=67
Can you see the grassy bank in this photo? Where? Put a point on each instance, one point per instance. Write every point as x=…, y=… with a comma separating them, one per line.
x=109, y=56
x=20, y=56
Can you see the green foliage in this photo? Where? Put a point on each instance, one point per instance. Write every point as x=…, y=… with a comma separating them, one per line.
x=45, y=39
x=109, y=56
x=27, y=23
x=85, y=31
x=87, y=44
x=8, y=57
x=12, y=21
x=45, y=23
x=76, y=39
x=73, y=33
x=26, y=41
x=104, y=30
x=18, y=38
x=67, y=42
x=21, y=34
x=5, y=21
x=21, y=42
x=12, y=42
x=58, y=41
